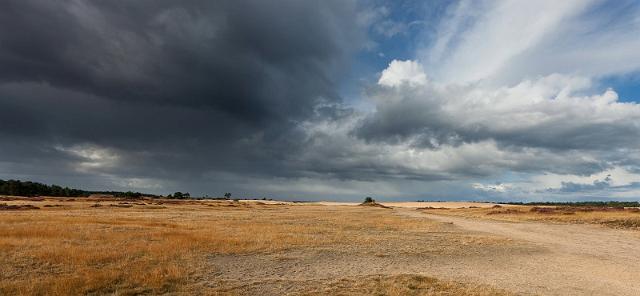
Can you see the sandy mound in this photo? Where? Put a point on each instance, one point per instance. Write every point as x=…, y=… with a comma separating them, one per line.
x=373, y=204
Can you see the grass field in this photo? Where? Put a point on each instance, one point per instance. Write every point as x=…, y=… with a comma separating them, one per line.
x=60, y=246
x=624, y=218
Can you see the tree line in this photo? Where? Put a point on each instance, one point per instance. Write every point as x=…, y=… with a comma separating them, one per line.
x=28, y=188
x=609, y=204
x=31, y=189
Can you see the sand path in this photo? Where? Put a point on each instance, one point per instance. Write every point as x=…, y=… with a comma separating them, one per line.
x=577, y=259
x=544, y=259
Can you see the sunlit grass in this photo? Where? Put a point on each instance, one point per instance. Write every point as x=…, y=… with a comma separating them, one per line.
x=80, y=249
x=615, y=218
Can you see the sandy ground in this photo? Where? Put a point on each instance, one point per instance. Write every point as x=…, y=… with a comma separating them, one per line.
x=577, y=259
x=409, y=204
x=544, y=259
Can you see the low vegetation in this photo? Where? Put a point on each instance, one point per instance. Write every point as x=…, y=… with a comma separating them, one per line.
x=588, y=213
x=596, y=204
x=6, y=207
x=106, y=246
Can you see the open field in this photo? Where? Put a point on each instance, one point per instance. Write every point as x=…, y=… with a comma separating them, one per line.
x=628, y=218
x=425, y=204
x=111, y=246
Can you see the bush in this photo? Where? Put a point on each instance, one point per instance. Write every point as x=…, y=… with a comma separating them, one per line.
x=129, y=194
x=180, y=195
x=368, y=199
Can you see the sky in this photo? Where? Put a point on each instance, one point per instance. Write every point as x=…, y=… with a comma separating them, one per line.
x=324, y=100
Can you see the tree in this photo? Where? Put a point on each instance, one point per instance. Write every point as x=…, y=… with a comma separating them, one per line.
x=177, y=195
x=227, y=195
x=368, y=199
x=27, y=188
x=130, y=194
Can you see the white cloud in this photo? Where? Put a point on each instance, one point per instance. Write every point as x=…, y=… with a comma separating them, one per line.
x=401, y=72
x=491, y=187
x=507, y=41
x=502, y=31
x=549, y=112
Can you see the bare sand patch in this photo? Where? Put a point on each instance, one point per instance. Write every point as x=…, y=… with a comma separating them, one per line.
x=578, y=259
x=409, y=204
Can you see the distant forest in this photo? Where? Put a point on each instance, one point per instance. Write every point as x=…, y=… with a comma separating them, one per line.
x=611, y=204
x=28, y=188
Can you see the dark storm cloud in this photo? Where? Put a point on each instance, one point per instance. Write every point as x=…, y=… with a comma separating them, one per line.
x=251, y=59
x=595, y=186
x=175, y=88
x=577, y=187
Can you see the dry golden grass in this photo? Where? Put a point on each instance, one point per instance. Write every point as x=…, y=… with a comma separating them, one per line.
x=615, y=218
x=148, y=248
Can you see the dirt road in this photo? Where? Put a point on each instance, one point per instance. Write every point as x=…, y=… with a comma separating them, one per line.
x=522, y=258
x=575, y=259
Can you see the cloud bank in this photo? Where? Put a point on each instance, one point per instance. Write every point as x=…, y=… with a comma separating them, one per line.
x=501, y=100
